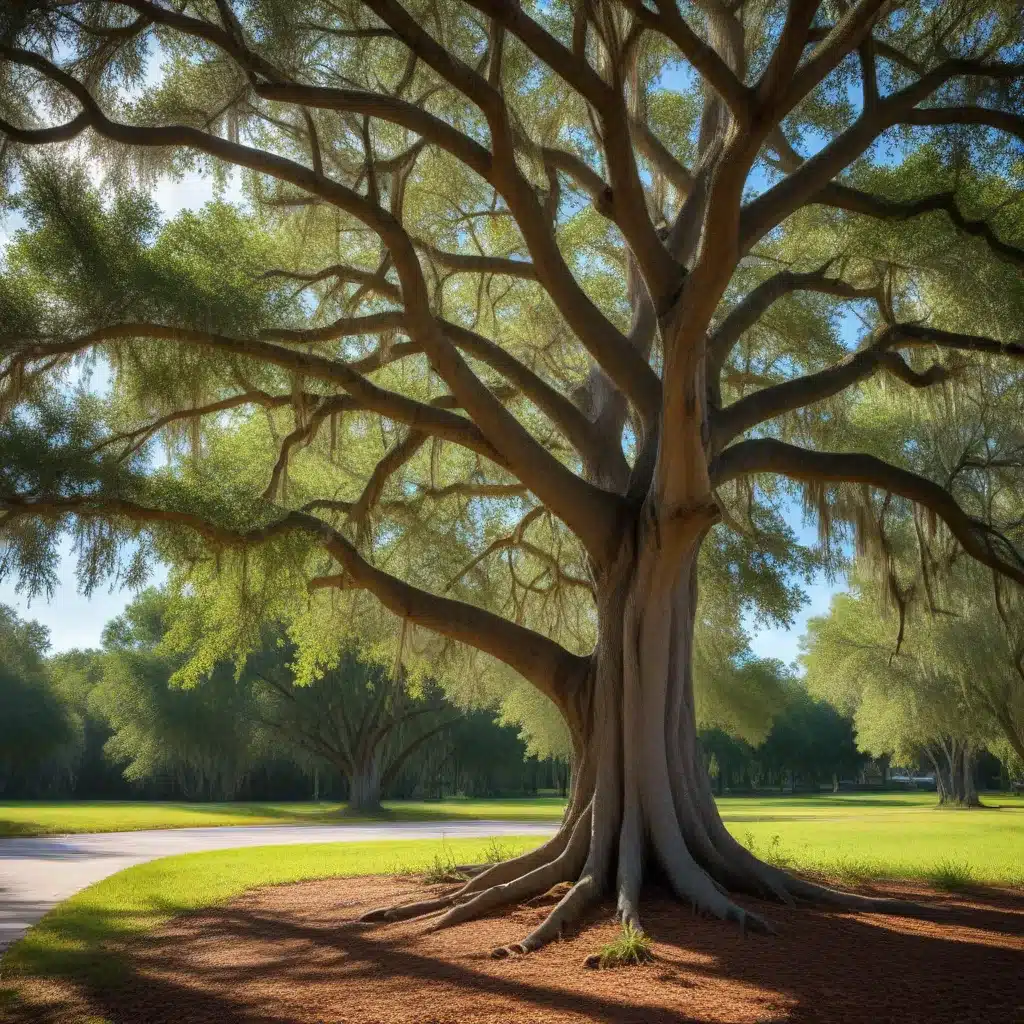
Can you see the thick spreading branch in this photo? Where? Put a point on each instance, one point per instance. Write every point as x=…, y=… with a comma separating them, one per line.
x=766, y=455
x=797, y=189
x=702, y=56
x=768, y=403
x=593, y=514
x=844, y=197
x=551, y=668
x=392, y=404
x=787, y=396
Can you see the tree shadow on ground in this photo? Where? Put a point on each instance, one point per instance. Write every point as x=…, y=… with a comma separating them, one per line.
x=276, y=957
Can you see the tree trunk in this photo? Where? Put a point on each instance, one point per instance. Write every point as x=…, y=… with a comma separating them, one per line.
x=954, y=775
x=364, y=788
x=641, y=797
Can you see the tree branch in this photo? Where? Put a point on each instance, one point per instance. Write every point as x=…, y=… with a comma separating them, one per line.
x=440, y=422
x=386, y=108
x=704, y=59
x=746, y=313
x=764, y=455
x=794, y=394
x=555, y=671
x=842, y=38
x=843, y=197
x=802, y=391
x=772, y=207
x=471, y=263
x=591, y=512
x=46, y=136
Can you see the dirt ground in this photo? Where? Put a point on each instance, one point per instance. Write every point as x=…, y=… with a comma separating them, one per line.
x=296, y=954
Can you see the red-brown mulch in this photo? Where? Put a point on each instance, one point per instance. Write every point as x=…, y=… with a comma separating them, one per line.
x=296, y=954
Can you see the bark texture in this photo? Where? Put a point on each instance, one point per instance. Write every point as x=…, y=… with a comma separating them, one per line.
x=954, y=762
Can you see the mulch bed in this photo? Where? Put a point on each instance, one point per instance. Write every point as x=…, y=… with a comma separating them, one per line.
x=296, y=954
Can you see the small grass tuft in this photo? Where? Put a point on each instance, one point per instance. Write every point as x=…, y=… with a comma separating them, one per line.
x=632, y=947
x=443, y=869
x=497, y=852
x=849, y=870
x=951, y=875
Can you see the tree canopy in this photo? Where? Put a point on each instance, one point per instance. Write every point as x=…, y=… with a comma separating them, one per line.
x=534, y=320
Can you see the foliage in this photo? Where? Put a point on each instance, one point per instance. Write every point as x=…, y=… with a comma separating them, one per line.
x=36, y=727
x=926, y=678
x=808, y=743
x=206, y=740
x=254, y=728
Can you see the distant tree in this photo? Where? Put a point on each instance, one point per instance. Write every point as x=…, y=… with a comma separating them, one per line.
x=35, y=723
x=359, y=718
x=810, y=739
x=89, y=772
x=204, y=738
x=733, y=759
x=908, y=703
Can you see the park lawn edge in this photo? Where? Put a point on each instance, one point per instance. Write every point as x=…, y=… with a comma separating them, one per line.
x=25, y=819
x=79, y=938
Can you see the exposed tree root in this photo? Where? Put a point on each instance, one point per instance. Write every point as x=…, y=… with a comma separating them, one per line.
x=640, y=795
x=563, y=868
x=408, y=911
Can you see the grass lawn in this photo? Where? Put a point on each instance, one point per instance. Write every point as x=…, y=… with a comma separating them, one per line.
x=23, y=818
x=860, y=836
x=985, y=846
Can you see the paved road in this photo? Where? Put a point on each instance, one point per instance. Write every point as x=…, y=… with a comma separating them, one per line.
x=37, y=873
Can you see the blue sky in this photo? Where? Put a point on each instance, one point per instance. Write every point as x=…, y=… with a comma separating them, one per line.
x=781, y=643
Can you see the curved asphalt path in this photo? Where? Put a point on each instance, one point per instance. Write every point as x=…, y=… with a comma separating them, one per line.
x=37, y=873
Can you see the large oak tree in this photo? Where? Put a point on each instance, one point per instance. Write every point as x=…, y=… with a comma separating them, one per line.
x=576, y=273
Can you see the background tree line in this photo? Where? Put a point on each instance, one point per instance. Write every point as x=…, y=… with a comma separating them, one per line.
x=115, y=723
x=112, y=723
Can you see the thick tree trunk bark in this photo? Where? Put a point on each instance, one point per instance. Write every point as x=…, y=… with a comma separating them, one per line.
x=641, y=798
x=364, y=788
x=955, y=775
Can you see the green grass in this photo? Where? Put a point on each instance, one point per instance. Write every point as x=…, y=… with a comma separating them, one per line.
x=46, y=818
x=18, y=818
x=43, y=818
x=904, y=839
x=951, y=875
x=631, y=948
x=73, y=940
